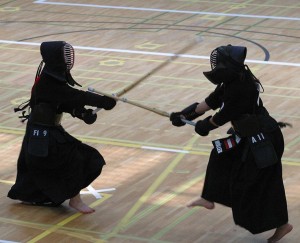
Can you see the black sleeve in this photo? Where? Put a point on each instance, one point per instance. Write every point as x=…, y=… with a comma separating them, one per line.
x=65, y=98
x=70, y=98
x=99, y=101
x=214, y=100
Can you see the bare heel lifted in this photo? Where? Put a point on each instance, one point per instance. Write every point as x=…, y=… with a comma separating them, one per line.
x=201, y=202
x=280, y=232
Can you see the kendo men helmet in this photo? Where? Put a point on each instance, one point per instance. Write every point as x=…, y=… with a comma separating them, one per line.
x=226, y=62
x=59, y=58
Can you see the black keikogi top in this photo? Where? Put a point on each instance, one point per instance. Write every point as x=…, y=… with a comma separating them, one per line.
x=53, y=165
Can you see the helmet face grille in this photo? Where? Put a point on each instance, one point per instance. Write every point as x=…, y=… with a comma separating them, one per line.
x=69, y=56
x=213, y=59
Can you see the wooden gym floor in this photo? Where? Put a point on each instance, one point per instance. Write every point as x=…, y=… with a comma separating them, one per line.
x=153, y=169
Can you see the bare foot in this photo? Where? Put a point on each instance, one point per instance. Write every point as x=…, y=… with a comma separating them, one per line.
x=78, y=204
x=202, y=203
x=280, y=233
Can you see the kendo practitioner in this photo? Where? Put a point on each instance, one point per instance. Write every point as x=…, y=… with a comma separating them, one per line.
x=53, y=166
x=244, y=170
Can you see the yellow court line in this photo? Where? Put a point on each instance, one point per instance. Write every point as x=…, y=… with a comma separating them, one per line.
x=293, y=143
x=110, y=141
x=65, y=221
x=126, y=219
x=172, y=225
x=7, y=182
x=291, y=163
x=133, y=144
x=16, y=131
x=166, y=198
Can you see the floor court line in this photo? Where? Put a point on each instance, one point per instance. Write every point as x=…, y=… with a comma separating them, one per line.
x=123, y=223
x=64, y=222
x=151, y=53
x=7, y=241
x=165, y=199
x=140, y=145
x=167, y=10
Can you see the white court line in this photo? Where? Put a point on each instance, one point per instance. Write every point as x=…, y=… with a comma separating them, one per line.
x=150, y=53
x=7, y=241
x=96, y=193
x=166, y=150
x=168, y=10
x=93, y=191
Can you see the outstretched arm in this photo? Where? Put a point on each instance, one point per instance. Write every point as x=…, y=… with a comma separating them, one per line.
x=202, y=107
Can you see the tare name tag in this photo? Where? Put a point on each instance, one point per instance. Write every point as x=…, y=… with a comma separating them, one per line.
x=225, y=144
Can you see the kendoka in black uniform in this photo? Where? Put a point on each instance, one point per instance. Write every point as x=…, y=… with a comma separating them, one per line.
x=53, y=166
x=244, y=171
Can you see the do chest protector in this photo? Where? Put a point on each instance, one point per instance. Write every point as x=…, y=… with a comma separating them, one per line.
x=43, y=114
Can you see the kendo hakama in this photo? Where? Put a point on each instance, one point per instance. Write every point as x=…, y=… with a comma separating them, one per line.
x=61, y=170
x=256, y=196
